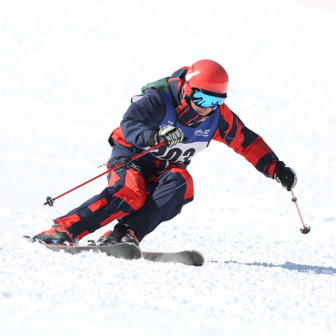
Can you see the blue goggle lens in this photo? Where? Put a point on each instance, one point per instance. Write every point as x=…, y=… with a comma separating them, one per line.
x=203, y=100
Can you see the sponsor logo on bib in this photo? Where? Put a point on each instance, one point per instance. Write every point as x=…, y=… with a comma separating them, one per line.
x=202, y=133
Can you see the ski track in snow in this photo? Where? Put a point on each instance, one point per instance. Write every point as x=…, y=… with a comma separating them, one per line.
x=67, y=72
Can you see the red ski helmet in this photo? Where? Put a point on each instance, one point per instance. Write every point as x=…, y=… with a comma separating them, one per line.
x=207, y=76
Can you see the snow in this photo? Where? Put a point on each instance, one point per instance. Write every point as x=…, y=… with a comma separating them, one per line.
x=67, y=72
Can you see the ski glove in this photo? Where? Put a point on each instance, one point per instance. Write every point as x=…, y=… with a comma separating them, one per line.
x=285, y=175
x=170, y=135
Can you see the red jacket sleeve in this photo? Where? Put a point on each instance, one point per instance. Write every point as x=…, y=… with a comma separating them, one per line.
x=232, y=132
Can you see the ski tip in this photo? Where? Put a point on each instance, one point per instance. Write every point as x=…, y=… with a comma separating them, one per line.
x=197, y=257
x=187, y=257
x=29, y=239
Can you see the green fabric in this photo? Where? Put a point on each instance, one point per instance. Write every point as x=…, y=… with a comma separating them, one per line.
x=161, y=85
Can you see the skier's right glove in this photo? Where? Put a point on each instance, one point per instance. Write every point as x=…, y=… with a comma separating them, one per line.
x=285, y=175
x=170, y=135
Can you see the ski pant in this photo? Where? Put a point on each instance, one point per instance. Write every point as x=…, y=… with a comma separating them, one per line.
x=140, y=195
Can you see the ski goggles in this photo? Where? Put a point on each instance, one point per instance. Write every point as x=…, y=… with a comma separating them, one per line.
x=201, y=99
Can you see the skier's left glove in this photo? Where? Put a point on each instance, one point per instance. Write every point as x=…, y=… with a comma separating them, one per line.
x=285, y=175
x=170, y=135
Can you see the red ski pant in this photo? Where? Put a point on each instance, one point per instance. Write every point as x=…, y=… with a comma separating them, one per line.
x=142, y=200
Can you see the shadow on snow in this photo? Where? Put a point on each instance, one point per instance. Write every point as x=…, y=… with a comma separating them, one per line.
x=288, y=265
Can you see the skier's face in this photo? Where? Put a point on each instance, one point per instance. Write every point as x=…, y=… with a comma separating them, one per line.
x=203, y=111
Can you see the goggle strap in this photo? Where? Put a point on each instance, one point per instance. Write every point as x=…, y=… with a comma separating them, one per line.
x=213, y=94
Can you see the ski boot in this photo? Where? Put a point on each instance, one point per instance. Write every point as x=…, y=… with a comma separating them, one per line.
x=55, y=236
x=120, y=234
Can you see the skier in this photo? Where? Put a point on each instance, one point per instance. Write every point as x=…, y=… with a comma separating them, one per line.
x=186, y=111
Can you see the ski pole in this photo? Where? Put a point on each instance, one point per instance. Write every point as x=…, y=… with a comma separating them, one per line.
x=50, y=200
x=306, y=229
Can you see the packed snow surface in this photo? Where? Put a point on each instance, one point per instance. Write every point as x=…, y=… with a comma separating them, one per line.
x=67, y=72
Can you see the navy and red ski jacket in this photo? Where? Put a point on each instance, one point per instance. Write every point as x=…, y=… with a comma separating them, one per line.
x=157, y=109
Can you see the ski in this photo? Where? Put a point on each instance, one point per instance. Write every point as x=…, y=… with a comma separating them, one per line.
x=192, y=257
x=131, y=251
x=122, y=251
